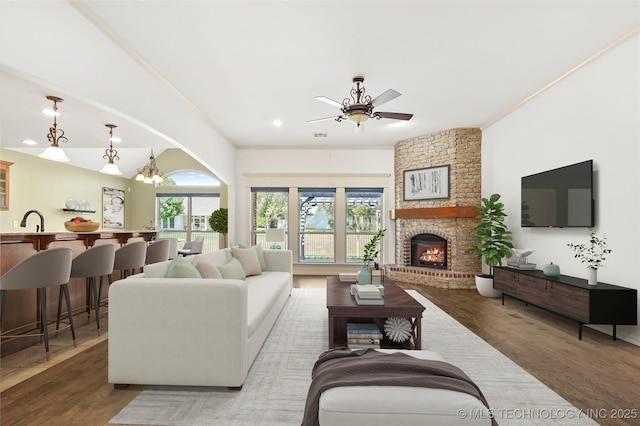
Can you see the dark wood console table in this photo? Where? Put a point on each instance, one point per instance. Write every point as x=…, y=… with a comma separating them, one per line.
x=570, y=297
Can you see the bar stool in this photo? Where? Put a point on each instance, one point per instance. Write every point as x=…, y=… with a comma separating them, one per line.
x=130, y=257
x=96, y=261
x=158, y=251
x=173, y=246
x=46, y=268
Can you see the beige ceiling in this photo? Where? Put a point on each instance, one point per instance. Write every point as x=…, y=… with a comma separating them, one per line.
x=213, y=75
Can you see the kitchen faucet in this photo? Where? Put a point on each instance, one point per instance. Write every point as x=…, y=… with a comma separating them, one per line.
x=24, y=220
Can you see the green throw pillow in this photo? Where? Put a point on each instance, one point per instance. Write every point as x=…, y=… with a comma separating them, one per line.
x=182, y=268
x=232, y=270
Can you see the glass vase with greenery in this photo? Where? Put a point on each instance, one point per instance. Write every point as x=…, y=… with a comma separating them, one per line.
x=592, y=254
x=371, y=251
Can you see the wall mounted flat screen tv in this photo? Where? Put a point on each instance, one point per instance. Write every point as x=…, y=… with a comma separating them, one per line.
x=560, y=197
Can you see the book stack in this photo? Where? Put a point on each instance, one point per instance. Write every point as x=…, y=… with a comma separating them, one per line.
x=348, y=277
x=519, y=265
x=368, y=294
x=363, y=336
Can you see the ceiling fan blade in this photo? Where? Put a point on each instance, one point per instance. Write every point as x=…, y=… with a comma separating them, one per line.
x=323, y=119
x=395, y=115
x=385, y=97
x=329, y=101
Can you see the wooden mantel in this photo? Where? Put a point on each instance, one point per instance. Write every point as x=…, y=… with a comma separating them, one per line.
x=436, y=212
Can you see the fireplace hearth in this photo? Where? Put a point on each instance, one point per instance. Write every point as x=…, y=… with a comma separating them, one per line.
x=429, y=251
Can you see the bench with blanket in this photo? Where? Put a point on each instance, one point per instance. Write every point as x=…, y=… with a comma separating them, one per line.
x=377, y=387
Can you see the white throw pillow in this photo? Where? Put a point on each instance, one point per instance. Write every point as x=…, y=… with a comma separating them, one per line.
x=208, y=270
x=248, y=258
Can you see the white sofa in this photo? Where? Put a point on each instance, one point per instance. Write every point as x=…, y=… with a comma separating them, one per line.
x=194, y=331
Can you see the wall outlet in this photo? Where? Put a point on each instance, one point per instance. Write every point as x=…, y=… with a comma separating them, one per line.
x=15, y=223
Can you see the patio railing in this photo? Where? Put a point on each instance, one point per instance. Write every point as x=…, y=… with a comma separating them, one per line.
x=318, y=247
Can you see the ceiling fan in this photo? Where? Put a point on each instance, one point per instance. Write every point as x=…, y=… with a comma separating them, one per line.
x=359, y=107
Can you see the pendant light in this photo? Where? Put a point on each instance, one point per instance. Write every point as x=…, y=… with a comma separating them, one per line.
x=55, y=136
x=150, y=172
x=111, y=154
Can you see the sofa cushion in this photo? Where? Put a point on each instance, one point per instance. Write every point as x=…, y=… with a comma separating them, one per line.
x=262, y=292
x=248, y=258
x=232, y=270
x=182, y=268
x=208, y=270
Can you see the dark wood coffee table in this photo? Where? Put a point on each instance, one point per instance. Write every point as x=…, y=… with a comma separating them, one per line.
x=343, y=308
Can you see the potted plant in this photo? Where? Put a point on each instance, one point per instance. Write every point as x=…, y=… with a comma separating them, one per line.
x=371, y=250
x=592, y=254
x=492, y=241
x=219, y=222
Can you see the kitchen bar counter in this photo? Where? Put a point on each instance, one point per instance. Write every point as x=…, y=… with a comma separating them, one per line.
x=21, y=307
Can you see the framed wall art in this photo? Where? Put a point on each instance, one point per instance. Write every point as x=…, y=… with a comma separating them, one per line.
x=112, y=208
x=431, y=183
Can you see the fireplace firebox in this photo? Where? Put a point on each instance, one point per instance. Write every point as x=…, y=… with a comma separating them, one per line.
x=429, y=251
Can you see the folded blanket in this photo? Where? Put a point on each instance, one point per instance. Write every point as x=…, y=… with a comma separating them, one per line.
x=367, y=367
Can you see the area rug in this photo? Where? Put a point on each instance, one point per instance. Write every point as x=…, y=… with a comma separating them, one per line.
x=276, y=387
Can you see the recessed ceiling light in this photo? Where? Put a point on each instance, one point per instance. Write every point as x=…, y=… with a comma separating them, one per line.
x=50, y=112
x=277, y=123
x=29, y=142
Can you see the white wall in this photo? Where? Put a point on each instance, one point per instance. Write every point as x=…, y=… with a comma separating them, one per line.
x=45, y=185
x=592, y=114
x=308, y=162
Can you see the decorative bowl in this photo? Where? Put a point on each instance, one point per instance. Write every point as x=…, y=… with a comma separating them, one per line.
x=81, y=226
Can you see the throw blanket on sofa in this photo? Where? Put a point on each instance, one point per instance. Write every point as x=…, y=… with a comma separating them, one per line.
x=366, y=367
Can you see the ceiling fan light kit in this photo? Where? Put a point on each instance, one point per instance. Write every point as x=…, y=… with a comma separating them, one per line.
x=358, y=108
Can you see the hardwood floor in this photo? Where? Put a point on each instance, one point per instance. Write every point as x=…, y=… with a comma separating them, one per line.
x=595, y=373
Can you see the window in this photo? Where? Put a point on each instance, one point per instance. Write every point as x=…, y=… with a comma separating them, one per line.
x=270, y=207
x=329, y=224
x=317, y=232
x=190, y=178
x=364, y=219
x=186, y=216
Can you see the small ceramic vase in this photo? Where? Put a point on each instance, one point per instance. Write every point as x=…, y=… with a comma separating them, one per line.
x=551, y=270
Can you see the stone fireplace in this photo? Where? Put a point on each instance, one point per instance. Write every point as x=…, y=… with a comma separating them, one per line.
x=432, y=235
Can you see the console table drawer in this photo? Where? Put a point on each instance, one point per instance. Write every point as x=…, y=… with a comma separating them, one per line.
x=504, y=280
x=572, y=301
x=533, y=290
